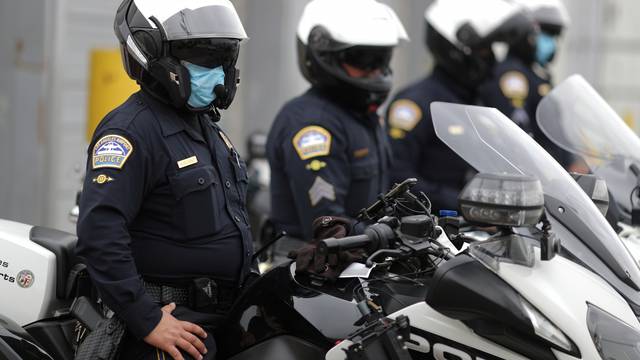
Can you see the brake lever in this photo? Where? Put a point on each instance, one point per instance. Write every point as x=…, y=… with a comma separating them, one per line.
x=383, y=200
x=385, y=252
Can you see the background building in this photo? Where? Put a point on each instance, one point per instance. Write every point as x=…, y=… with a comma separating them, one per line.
x=46, y=47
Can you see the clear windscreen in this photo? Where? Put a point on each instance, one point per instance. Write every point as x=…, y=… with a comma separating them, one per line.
x=575, y=117
x=492, y=143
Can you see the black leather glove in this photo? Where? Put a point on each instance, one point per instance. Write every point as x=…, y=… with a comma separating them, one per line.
x=328, y=266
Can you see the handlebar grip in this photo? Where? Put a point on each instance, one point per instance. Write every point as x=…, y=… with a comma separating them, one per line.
x=345, y=243
x=375, y=236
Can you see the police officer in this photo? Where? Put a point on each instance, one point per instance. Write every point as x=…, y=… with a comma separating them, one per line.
x=163, y=226
x=521, y=80
x=459, y=35
x=327, y=149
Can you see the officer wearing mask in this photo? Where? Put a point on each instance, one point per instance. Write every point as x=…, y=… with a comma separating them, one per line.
x=459, y=36
x=163, y=225
x=327, y=148
x=521, y=80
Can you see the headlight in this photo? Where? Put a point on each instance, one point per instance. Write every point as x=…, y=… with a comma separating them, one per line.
x=501, y=199
x=613, y=338
x=545, y=329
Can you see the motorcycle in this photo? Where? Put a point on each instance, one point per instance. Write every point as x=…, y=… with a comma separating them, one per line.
x=481, y=303
x=587, y=237
x=575, y=117
x=508, y=297
x=41, y=278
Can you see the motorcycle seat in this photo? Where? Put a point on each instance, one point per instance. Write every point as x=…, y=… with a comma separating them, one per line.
x=62, y=245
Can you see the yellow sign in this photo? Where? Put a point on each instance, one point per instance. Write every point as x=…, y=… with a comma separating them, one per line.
x=109, y=86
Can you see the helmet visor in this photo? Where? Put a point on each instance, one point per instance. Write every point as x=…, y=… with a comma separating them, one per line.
x=209, y=53
x=215, y=21
x=367, y=57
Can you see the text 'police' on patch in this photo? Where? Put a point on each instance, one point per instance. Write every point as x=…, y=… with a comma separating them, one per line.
x=111, y=151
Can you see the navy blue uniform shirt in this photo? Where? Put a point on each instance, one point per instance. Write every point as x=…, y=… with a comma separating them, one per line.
x=163, y=199
x=516, y=89
x=325, y=160
x=417, y=151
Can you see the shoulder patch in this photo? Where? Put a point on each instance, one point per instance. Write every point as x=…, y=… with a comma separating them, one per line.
x=514, y=85
x=312, y=141
x=404, y=115
x=111, y=151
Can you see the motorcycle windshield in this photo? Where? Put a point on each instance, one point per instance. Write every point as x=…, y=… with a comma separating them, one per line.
x=492, y=143
x=575, y=117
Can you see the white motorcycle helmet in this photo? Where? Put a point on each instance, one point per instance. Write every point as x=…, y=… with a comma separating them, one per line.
x=359, y=33
x=460, y=33
x=551, y=15
x=552, y=19
x=156, y=35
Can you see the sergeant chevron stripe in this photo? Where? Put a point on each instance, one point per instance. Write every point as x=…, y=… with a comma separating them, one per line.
x=321, y=189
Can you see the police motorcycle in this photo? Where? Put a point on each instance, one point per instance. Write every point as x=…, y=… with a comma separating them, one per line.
x=507, y=297
x=41, y=281
x=575, y=117
x=491, y=143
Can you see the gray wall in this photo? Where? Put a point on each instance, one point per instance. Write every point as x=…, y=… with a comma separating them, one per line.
x=603, y=44
x=22, y=109
x=43, y=95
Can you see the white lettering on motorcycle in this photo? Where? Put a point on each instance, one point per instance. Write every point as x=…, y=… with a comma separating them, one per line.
x=440, y=352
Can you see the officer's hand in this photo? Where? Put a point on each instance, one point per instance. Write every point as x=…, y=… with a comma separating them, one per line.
x=171, y=335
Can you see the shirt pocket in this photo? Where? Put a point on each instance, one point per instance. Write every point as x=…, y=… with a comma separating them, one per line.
x=363, y=172
x=365, y=186
x=197, y=207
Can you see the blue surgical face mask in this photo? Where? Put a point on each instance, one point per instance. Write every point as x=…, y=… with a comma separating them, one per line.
x=545, y=48
x=203, y=81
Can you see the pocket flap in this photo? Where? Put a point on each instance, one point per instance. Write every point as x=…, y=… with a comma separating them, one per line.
x=192, y=179
x=364, y=171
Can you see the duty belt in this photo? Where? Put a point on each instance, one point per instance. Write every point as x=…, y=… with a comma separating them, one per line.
x=202, y=294
x=165, y=294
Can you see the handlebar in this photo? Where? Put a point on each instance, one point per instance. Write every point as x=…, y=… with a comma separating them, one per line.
x=372, y=211
x=375, y=237
x=346, y=243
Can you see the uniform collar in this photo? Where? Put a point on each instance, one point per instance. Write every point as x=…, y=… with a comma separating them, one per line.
x=462, y=92
x=368, y=119
x=171, y=120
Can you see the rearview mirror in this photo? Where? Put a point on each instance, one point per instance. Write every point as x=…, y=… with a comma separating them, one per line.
x=596, y=189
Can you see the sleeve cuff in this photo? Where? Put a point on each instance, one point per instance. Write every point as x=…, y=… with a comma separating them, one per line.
x=141, y=317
